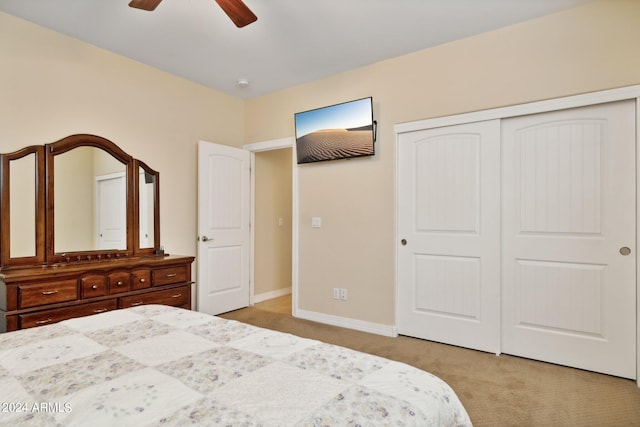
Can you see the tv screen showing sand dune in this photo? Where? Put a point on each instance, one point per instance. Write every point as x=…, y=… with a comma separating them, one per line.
x=335, y=132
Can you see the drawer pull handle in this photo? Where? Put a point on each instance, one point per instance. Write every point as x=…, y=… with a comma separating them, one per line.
x=94, y=287
x=133, y=304
x=172, y=274
x=42, y=322
x=142, y=280
x=119, y=284
x=100, y=310
x=55, y=291
x=176, y=296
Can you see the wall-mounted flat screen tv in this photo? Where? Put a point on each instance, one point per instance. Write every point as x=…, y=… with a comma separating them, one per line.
x=338, y=131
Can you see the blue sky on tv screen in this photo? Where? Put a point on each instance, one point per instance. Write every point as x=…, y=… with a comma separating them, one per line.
x=342, y=116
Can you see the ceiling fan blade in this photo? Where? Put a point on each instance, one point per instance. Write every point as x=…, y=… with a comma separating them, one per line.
x=145, y=4
x=239, y=13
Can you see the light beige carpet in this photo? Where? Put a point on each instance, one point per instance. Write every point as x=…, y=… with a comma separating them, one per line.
x=495, y=390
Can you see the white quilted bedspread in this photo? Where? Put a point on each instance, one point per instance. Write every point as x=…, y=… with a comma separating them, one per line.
x=159, y=365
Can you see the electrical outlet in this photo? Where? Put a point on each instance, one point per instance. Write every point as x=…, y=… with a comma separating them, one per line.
x=343, y=294
x=336, y=293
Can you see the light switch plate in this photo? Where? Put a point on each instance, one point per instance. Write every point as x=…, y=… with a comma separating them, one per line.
x=316, y=222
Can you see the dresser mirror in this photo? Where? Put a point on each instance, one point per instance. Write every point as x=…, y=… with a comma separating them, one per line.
x=148, y=237
x=90, y=200
x=22, y=203
x=22, y=212
x=78, y=199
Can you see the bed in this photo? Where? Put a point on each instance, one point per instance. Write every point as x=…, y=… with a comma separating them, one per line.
x=160, y=365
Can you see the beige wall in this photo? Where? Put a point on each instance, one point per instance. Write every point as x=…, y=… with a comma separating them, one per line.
x=273, y=183
x=585, y=49
x=53, y=86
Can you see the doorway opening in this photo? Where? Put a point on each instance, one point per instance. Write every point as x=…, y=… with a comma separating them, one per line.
x=273, y=226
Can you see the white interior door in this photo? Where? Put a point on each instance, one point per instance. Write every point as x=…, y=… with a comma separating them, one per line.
x=223, y=228
x=111, y=212
x=449, y=235
x=569, y=237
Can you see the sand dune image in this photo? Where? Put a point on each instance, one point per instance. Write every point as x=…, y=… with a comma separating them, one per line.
x=329, y=144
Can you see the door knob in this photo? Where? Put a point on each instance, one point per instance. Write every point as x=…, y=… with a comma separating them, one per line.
x=625, y=250
x=404, y=242
x=205, y=239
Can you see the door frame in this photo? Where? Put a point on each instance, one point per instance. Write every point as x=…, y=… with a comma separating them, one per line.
x=256, y=147
x=593, y=98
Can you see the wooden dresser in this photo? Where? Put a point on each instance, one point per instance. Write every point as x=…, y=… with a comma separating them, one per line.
x=80, y=234
x=34, y=296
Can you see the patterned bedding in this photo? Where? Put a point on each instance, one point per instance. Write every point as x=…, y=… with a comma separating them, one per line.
x=159, y=365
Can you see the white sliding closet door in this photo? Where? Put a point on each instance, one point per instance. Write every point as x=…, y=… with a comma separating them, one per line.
x=569, y=230
x=449, y=235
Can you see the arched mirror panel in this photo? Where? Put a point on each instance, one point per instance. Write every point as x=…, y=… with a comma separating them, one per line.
x=90, y=199
x=90, y=207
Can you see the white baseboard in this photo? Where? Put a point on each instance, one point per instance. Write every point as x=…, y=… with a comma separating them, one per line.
x=271, y=295
x=344, y=322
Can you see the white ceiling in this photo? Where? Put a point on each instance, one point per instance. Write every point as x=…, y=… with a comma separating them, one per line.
x=293, y=41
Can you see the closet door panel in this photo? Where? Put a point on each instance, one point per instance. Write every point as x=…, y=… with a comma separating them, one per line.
x=568, y=221
x=449, y=235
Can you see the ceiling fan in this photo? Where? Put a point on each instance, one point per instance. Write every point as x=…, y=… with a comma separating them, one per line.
x=239, y=13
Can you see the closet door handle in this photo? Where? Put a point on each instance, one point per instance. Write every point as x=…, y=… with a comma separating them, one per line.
x=625, y=250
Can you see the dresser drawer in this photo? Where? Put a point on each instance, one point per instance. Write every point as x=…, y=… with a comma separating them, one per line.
x=94, y=285
x=119, y=282
x=176, y=297
x=47, y=293
x=166, y=276
x=141, y=278
x=52, y=316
